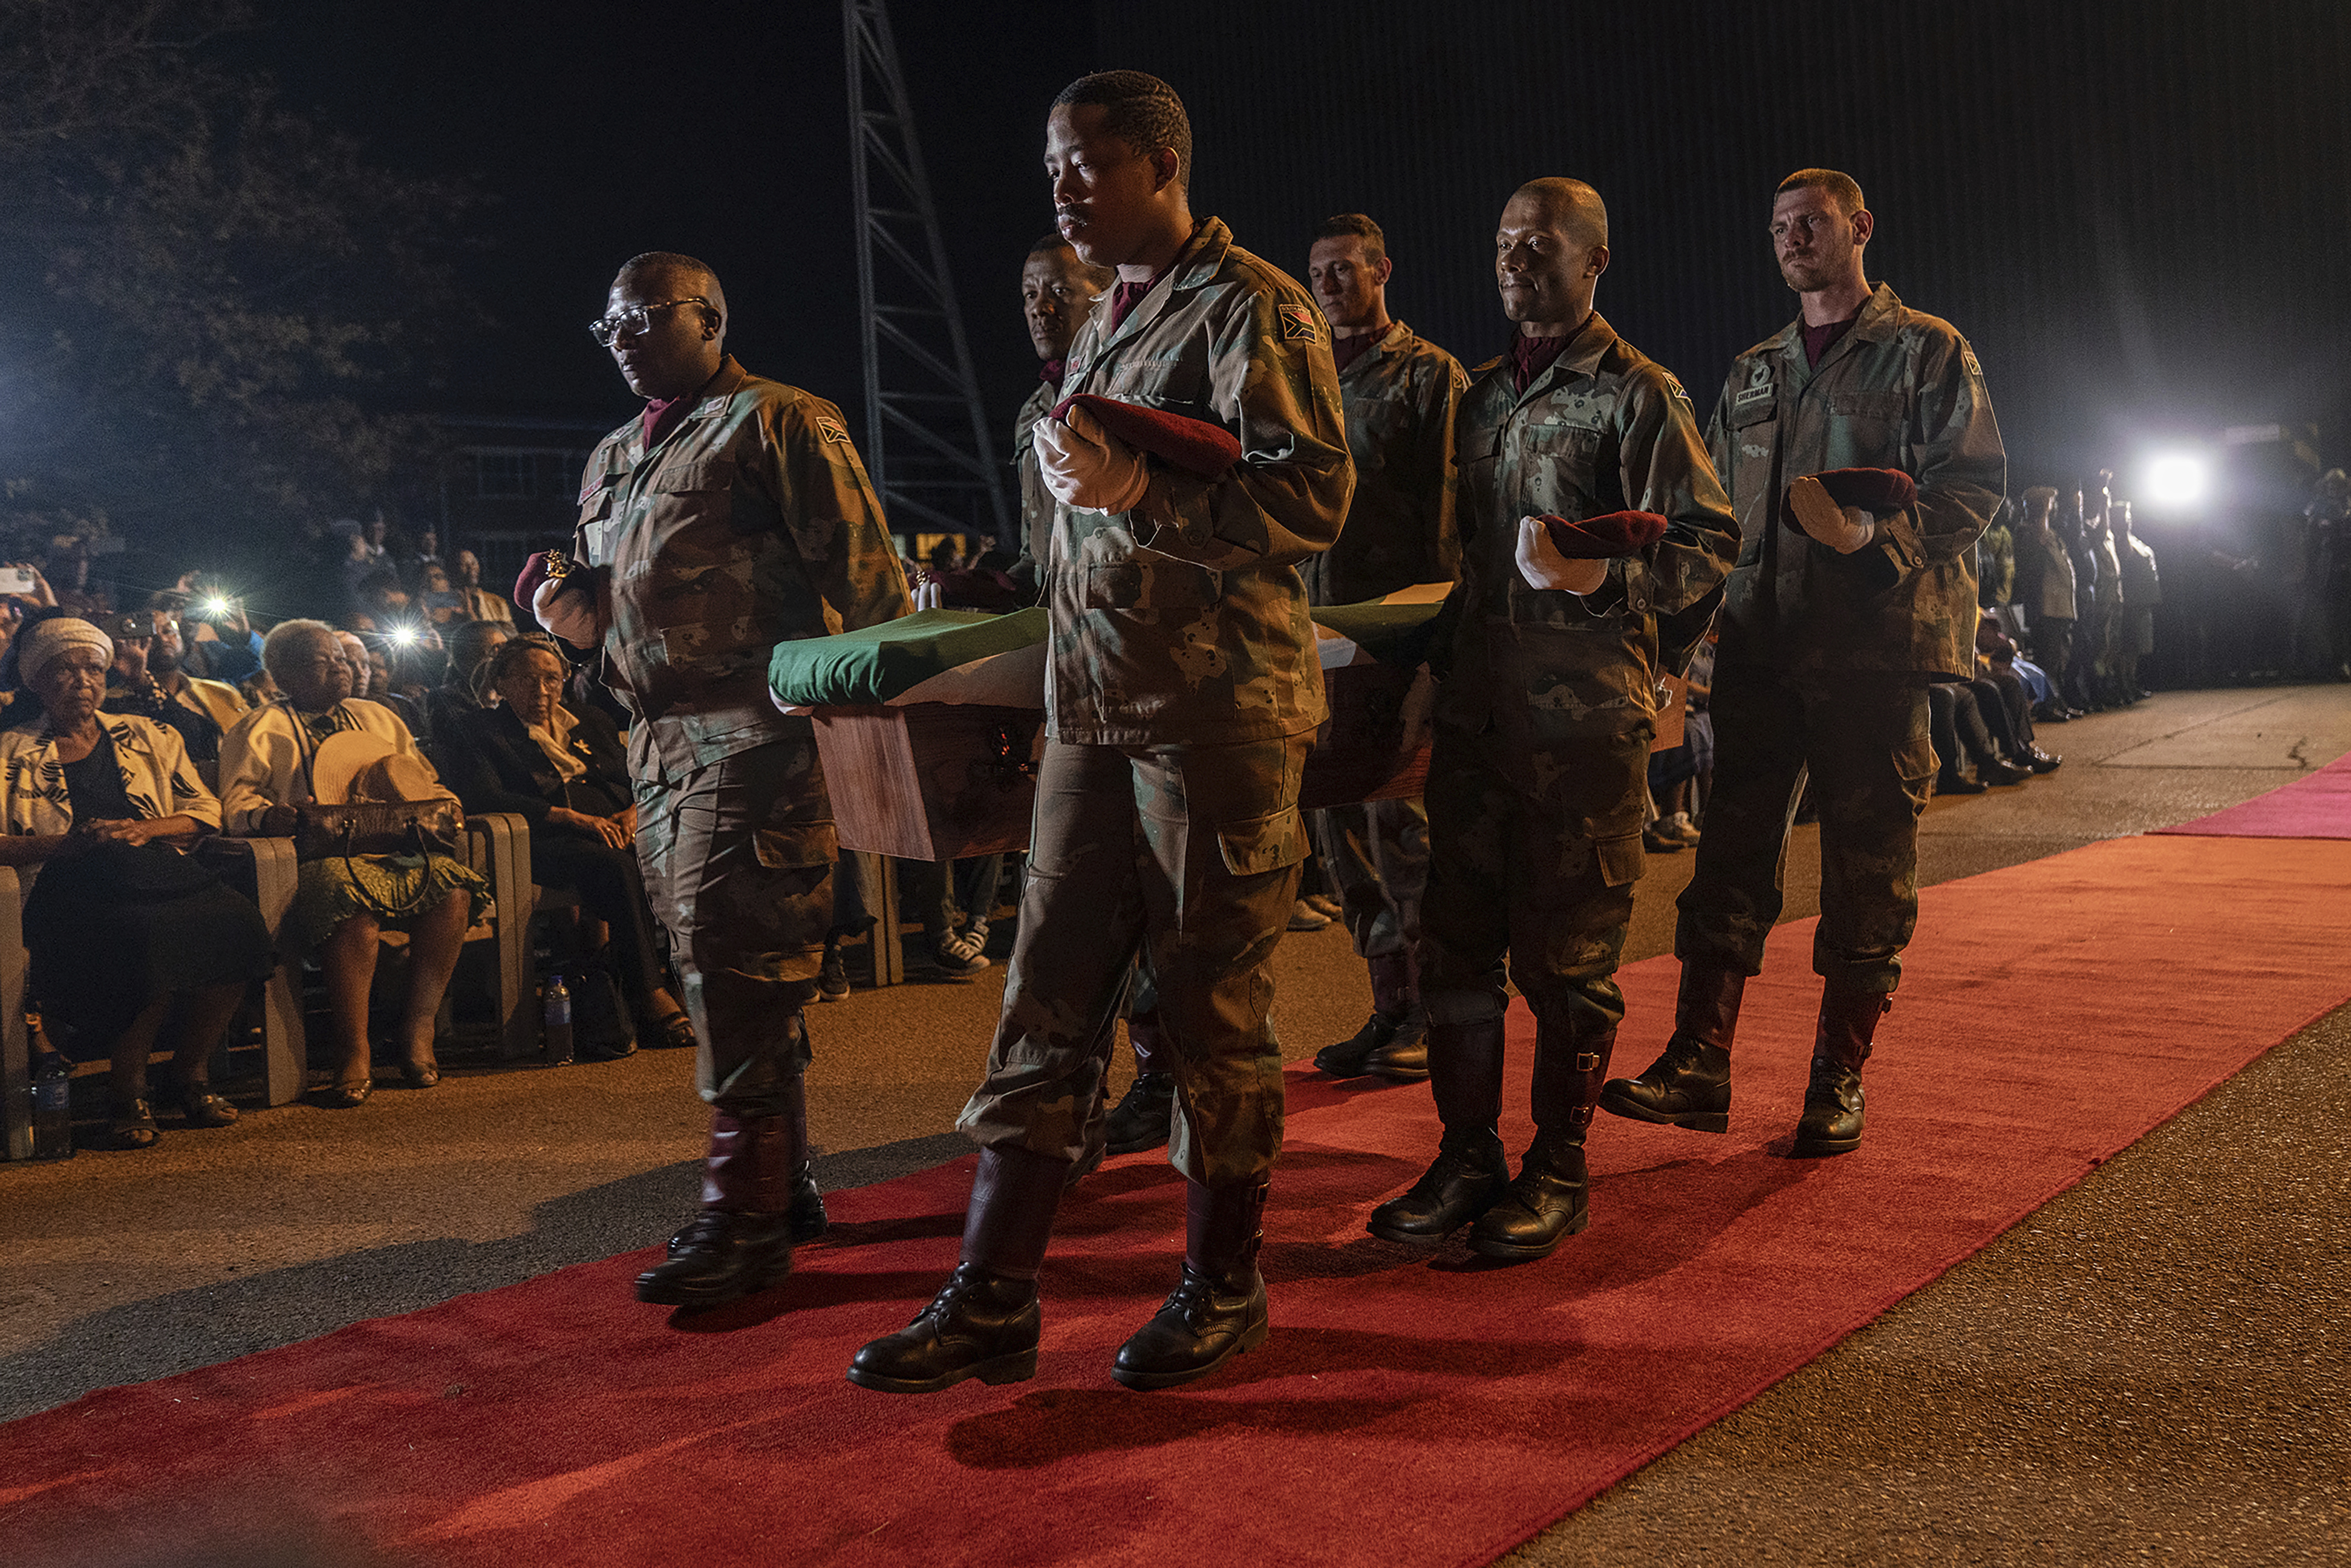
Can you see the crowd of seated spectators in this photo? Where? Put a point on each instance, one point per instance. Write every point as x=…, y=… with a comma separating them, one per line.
x=129, y=736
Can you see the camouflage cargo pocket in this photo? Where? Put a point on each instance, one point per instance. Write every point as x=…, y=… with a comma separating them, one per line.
x=1915, y=764
x=1619, y=859
x=1264, y=843
x=797, y=844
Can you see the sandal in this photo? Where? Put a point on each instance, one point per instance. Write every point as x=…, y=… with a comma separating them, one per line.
x=420, y=1075
x=204, y=1108
x=345, y=1096
x=674, y=1033
x=133, y=1126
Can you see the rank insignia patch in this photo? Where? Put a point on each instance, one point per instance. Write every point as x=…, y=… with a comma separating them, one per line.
x=832, y=430
x=1297, y=323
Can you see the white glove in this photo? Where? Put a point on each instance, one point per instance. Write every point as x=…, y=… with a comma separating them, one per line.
x=1085, y=465
x=1541, y=563
x=1843, y=529
x=926, y=595
x=580, y=617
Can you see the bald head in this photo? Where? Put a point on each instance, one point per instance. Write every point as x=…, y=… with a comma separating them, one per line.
x=665, y=273
x=1574, y=207
x=665, y=347
x=1549, y=253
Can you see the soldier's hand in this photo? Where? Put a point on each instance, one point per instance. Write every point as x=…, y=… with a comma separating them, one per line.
x=574, y=610
x=1085, y=465
x=1542, y=563
x=1843, y=529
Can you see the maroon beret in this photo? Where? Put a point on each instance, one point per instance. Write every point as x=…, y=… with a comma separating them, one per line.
x=1877, y=491
x=534, y=573
x=1192, y=444
x=1606, y=536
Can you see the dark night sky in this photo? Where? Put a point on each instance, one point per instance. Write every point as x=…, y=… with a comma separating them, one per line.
x=716, y=128
x=2137, y=211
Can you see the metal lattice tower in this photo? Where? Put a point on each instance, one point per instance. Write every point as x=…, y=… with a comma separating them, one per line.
x=927, y=438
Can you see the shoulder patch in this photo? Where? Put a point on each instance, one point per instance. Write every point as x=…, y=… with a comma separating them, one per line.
x=1297, y=323
x=831, y=429
x=1674, y=388
x=1967, y=357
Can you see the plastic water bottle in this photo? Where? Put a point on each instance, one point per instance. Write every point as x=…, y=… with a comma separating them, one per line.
x=559, y=1021
x=52, y=1108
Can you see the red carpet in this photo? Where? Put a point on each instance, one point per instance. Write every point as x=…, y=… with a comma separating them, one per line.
x=2316, y=806
x=1405, y=1412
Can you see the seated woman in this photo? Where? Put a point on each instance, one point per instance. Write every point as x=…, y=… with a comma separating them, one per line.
x=123, y=928
x=343, y=906
x=568, y=774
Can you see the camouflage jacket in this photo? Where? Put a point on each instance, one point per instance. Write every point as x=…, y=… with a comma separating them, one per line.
x=750, y=523
x=1035, y=501
x=1400, y=395
x=1186, y=619
x=1900, y=390
x=2045, y=575
x=1603, y=430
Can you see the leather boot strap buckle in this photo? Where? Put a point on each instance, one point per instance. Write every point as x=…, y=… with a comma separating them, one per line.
x=1587, y=1062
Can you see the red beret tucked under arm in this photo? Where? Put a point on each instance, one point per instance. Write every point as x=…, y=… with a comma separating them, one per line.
x=1605, y=537
x=1192, y=444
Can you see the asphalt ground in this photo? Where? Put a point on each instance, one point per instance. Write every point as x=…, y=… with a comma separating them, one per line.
x=2152, y=1367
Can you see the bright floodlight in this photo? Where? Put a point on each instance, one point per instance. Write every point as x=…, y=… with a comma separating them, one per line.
x=404, y=635
x=2178, y=479
x=215, y=607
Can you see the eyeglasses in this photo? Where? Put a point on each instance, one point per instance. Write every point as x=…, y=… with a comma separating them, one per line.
x=634, y=319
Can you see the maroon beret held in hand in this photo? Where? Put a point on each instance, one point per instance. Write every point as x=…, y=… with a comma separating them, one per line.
x=1606, y=536
x=1194, y=445
x=1877, y=491
x=542, y=565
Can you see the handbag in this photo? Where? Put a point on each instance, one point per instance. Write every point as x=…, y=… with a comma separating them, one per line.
x=431, y=821
x=379, y=828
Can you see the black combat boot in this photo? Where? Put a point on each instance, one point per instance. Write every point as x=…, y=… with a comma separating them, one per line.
x=1550, y=1201
x=1219, y=1310
x=1471, y=1171
x=808, y=1204
x=1392, y=1042
x=1403, y=1057
x=741, y=1242
x=1690, y=1084
x=1831, y=1123
x=985, y=1321
x=1145, y=1118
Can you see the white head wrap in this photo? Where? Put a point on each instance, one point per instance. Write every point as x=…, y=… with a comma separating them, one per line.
x=41, y=642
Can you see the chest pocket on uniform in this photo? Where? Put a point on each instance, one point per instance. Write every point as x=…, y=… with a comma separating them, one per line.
x=1153, y=383
x=1159, y=582
x=704, y=483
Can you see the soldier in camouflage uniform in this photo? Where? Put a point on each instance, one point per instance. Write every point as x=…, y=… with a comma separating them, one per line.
x=1182, y=694
x=1829, y=637
x=1400, y=393
x=1537, y=784
x=732, y=516
x=1059, y=291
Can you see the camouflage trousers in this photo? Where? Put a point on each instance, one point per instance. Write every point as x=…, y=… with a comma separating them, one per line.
x=737, y=858
x=1528, y=882
x=1190, y=854
x=1862, y=735
x=1377, y=852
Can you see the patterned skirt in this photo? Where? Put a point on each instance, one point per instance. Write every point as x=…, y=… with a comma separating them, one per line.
x=397, y=890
